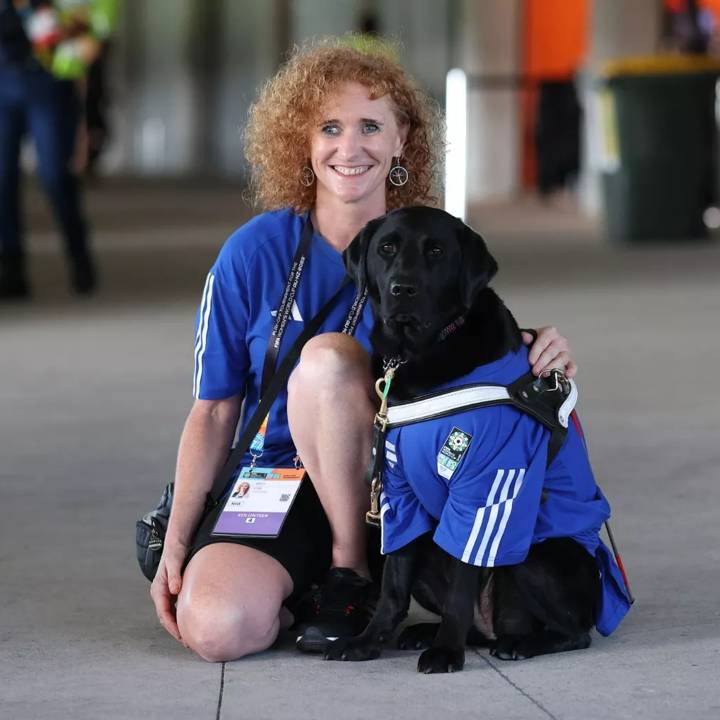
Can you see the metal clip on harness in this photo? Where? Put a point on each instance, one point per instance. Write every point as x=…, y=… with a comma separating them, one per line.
x=382, y=388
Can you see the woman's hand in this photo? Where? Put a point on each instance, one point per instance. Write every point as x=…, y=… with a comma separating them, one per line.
x=204, y=445
x=166, y=587
x=549, y=352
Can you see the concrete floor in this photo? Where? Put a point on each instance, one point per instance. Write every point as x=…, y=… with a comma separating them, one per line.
x=93, y=395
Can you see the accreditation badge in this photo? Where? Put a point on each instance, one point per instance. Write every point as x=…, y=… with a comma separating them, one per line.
x=259, y=502
x=452, y=452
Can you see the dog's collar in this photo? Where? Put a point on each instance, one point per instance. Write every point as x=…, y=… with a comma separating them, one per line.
x=451, y=327
x=396, y=361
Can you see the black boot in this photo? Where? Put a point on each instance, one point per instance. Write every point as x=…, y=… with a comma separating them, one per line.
x=13, y=282
x=82, y=275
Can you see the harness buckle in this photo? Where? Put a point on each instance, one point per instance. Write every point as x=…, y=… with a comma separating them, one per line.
x=561, y=382
x=543, y=385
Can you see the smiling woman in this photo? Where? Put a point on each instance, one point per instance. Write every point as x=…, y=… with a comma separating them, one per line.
x=294, y=107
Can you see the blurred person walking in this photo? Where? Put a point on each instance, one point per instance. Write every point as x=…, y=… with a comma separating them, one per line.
x=45, y=47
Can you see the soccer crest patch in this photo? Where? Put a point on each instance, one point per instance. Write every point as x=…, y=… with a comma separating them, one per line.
x=452, y=452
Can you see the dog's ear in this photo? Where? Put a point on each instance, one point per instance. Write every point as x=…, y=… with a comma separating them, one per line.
x=355, y=255
x=478, y=265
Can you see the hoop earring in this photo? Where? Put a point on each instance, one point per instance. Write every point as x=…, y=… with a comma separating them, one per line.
x=398, y=175
x=307, y=176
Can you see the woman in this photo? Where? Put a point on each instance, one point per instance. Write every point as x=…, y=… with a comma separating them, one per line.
x=322, y=140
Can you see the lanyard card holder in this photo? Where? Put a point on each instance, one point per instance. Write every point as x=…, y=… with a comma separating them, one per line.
x=260, y=501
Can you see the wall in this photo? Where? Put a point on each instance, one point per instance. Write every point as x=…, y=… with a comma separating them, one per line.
x=184, y=72
x=489, y=40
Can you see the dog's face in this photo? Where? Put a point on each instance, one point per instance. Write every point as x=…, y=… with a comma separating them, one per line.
x=423, y=268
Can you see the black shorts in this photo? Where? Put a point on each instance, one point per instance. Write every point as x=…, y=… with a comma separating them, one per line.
x=304, y=546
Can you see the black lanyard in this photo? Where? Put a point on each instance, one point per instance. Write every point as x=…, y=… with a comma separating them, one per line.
x=286, y=304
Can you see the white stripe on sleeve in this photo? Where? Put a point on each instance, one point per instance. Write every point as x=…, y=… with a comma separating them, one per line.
x=201, y=342
x=490, y=529
x=480, y=515
x=503, y=523
x=203, y=300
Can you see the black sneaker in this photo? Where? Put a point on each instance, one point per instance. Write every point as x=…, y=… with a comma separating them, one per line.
x=13, y=282
x=14, y=289
x=341, y=607
x=83, y=277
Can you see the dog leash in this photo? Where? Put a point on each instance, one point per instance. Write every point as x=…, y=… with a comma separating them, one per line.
x=618, y=560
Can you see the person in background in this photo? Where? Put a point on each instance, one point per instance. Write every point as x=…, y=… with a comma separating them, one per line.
x=45, y=48
x=557, y=135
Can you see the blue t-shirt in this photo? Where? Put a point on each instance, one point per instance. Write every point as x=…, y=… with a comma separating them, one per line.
x=242, y=292
x=477, y=480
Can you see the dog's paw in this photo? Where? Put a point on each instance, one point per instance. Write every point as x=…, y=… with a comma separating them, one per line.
x=510, y=647
x=522, y=647
x=441, y=660
x=418, y=637
x=351, y=649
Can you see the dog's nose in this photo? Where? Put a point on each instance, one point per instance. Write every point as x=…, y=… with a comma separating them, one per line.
x=397, y=289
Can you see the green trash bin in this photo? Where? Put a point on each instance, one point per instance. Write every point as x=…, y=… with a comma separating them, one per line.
x=661, y=129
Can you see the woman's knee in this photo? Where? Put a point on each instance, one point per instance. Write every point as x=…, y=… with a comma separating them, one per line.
x=230, y=601
x=220, y=630
x=330, y=359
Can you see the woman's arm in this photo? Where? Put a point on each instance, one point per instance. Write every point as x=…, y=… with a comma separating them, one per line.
x=204, y=446
x=549, y=351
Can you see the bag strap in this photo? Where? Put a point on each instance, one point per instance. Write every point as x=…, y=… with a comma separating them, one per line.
x=275, y=385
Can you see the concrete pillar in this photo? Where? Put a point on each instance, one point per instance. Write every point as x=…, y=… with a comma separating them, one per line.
x=165, y=111
x=184, y=73
x=254, y=39
x=424, y=27
x=318, y=18
x=619, y=29
x=489, y=41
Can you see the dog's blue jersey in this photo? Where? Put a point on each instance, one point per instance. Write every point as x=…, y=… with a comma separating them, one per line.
x=242, y=292
x=478, y=480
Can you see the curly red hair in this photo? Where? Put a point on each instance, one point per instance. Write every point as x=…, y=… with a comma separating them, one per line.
x=280, y=121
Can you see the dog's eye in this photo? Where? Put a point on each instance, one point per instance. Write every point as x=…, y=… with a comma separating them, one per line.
x=387, y=248
x=435, y=251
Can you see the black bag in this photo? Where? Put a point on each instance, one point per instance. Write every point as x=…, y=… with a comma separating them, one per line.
x=150, y=530
x=150, y=534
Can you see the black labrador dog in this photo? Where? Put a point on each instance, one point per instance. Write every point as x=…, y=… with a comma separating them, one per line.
x=423, y=270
